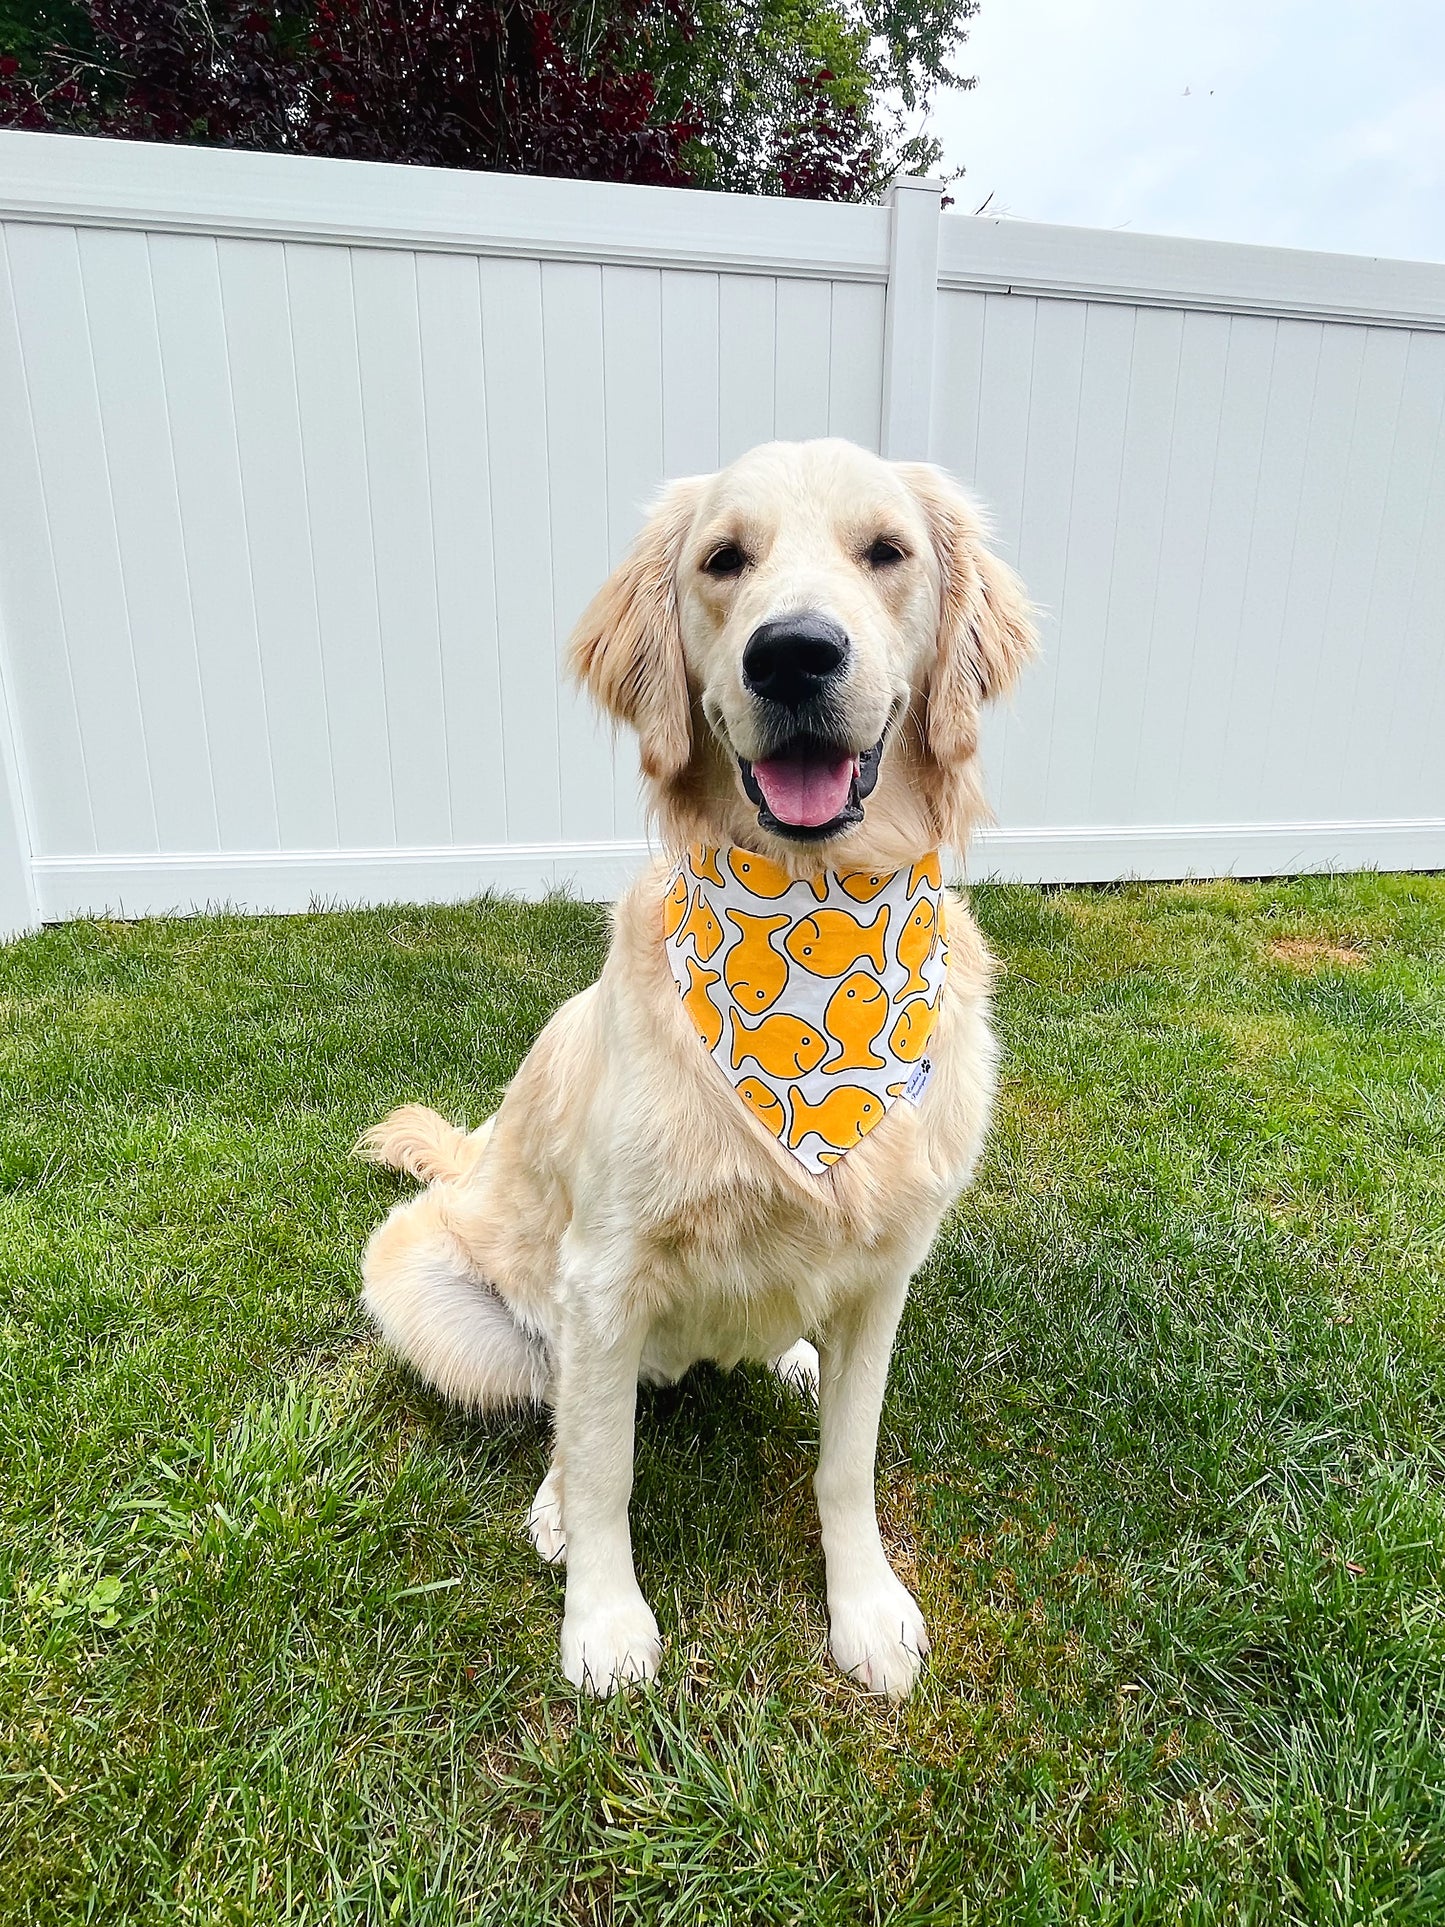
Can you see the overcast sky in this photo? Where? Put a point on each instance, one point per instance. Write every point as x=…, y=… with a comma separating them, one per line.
x=1301, y=123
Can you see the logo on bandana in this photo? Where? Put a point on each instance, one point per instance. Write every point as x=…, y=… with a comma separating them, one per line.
x=815, y=996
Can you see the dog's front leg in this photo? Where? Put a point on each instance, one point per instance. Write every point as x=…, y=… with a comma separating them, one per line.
x=878, y=1635
x=609, y=1636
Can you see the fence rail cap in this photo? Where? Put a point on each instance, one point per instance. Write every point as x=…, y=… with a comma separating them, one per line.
x=81, y=180
x=996, y=254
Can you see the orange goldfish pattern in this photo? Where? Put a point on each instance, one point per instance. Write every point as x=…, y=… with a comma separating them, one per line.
x=706, y=1017
x=840, y=1118
x=754, y=970
x=927, y=870
x=832, y=941
x=857, y=1010
x=702, y=927
x=909, y=1037
x=703, y=863
x=918, y=938
x=758, y=874
x=764, y=1103
x=780, y=1045
x=674, y=906
x=864, y=885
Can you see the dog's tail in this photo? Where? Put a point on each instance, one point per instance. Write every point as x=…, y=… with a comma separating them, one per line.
x=446, y=1320
x=420, y=1141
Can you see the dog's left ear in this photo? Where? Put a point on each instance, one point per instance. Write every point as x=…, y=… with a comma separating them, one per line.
x=986, y=631
x=627, y=648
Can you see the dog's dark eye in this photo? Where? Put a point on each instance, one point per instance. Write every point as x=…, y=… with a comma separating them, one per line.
x=883, y=554
x=725, y=561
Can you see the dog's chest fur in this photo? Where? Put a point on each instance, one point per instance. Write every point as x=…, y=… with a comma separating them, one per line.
x=746, y=1271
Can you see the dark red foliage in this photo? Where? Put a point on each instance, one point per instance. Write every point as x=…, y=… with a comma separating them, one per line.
x=468, y=83
x=830, y=154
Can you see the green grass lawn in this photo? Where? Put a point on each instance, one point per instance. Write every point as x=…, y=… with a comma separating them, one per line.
x=1163, y=1455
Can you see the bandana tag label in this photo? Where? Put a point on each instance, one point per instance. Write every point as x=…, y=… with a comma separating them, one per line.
x=918, y=1083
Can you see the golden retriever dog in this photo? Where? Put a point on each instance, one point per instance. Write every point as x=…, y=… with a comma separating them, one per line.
x=802, y=643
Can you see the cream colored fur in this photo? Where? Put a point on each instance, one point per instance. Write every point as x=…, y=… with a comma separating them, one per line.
x=623, y=1215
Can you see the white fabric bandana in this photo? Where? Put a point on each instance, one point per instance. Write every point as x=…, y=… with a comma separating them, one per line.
x=815, y=997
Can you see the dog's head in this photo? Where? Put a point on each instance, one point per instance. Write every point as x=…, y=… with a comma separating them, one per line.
x=803, y=643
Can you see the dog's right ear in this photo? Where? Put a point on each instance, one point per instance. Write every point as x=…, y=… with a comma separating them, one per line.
x=627, y=648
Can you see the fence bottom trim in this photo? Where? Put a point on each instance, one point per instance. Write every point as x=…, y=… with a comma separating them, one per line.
x=301, y=880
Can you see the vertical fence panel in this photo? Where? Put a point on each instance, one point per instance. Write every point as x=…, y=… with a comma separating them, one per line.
x=220, y=615
x=512, y=356
x=747, y=351
x=577, y=472
x=339, y=521
x=135, y=431
x=1050, y=440
x=632, y=380
x=999, y=364
x=459, y=486
x=1332, y=722
x=804, y=355
x=19, y=910
x=689, y=374
x=1002, y=372
x=262, y=383
x=1104, y=375
x=855, y=363
x=26, y=595
x=398, y=502
x=60, y=384
x=1135, y=543
x=1183, y=545
x=1285, y=766
x=1386, y=691
x=1201, y=780
x=1264, y=570
x=1418, y=716
x=957, y=382
x=30, y=608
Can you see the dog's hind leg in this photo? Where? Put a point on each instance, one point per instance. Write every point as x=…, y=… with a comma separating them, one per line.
x=545, y=1526
x=436, y=1309
x=797, y=1367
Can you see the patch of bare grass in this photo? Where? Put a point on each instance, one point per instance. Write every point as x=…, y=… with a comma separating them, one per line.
x=1316, y=953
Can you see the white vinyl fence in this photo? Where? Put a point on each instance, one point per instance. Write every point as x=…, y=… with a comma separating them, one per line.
x=307, y=466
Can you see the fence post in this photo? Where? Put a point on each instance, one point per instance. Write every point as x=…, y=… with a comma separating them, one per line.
x=19, y=910
x=915, y=210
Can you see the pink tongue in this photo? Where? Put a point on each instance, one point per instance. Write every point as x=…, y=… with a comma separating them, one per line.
x=805, y=792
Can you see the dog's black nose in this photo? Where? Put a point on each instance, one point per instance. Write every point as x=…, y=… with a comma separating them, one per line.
x=793, y=659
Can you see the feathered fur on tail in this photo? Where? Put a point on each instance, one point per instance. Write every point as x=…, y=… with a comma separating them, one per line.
x=422, y=1142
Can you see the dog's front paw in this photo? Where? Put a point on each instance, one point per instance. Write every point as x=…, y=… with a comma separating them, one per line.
x=879, y=1638
x=610, y=1644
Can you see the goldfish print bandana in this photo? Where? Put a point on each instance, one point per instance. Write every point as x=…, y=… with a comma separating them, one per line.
x=814, y=996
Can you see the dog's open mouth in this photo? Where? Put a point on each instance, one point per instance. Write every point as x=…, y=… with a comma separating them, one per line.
x=811, y=789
